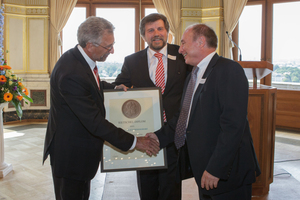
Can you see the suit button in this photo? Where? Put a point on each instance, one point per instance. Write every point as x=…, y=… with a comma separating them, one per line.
x=179, y=73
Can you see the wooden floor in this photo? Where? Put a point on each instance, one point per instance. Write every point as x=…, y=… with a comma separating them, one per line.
x=30, y=180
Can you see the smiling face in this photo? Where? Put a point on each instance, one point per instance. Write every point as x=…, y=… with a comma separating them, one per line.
x=156, y=35
x=190, y=49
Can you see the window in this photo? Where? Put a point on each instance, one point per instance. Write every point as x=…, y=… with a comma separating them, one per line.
x=267, y=31
x=250, y=33
x=127, y=37
x=286, y=42
x=124, y=39
x=69, y=33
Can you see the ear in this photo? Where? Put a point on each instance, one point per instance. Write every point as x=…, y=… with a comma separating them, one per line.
x=89, y=47
x=201, y=41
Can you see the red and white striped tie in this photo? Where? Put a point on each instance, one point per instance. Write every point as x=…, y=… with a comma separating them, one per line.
x=160, y=76
x=97, y=76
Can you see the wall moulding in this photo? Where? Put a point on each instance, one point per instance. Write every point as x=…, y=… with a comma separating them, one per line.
x=198, y=12
x=27, y=2
x=25, y=10
x=201, y=3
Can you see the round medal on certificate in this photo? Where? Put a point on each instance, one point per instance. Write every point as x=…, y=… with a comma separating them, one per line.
x=131, y=109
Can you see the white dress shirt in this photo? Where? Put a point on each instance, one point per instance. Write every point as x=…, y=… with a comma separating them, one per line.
x=202, y=68
x=153, y=61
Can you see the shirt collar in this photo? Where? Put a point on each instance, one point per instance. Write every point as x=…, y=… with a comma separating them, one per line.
x=91, y=63
x=162, y=51
x=204, y=63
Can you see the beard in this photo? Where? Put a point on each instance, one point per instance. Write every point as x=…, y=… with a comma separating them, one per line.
x=155, y=45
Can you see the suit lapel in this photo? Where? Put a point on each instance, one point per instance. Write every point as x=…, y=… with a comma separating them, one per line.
x=206, y=74
x=86, y=69
x=144, y=68
x=172, y=71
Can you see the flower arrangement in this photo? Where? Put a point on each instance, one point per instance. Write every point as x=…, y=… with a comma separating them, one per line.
x=11, y=88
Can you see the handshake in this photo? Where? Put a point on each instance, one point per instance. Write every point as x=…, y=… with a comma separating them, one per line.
x=148, y=144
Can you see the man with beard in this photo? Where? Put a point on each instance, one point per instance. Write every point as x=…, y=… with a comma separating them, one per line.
x=159, y=65
x=77, y=126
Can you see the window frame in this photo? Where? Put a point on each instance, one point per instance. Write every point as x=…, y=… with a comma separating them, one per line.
x=267, y=33
x=138, y=5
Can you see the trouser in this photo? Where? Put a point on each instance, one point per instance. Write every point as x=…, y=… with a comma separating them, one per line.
x=69, y=189
x=242, y=193
x=161, y=184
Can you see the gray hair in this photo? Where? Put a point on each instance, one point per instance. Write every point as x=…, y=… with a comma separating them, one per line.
x=153, y=18
x=92, y=30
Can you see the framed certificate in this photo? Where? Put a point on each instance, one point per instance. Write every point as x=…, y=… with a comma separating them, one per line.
x=137, y=111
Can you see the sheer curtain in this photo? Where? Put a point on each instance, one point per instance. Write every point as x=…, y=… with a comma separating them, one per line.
x=232, y=12
x=171, y=9
x=60, y=12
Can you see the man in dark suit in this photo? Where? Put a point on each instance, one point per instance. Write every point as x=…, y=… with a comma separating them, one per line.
x=77, y=126
x=212, y=126
x=139, y=70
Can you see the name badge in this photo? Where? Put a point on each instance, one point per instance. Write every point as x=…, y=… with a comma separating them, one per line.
x=202, y=81
x=171, y=57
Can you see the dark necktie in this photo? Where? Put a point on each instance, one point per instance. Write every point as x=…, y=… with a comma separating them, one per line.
x=97, y=76
x=180, y=130
x=160, y=77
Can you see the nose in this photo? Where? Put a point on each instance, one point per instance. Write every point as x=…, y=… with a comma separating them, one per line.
x=156, y=32
x=180, y=50
x=112, y=51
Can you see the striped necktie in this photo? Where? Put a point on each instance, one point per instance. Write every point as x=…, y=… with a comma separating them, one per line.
x=97, y=76
x=160, y=77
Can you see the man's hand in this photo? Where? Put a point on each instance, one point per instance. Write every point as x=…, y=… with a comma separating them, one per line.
x=151, y=146
x=209, y=181
x=121, y=87
x=153, y=136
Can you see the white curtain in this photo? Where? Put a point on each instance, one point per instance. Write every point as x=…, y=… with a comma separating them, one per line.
x=171, y=9
x=232, y=12
x=60, y=11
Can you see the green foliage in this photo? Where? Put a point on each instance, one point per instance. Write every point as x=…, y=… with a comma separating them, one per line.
x=291, y=74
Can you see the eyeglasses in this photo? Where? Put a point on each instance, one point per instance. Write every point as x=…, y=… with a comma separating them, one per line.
x=107, y=48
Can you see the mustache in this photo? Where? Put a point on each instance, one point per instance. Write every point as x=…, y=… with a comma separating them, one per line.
x=157, y=37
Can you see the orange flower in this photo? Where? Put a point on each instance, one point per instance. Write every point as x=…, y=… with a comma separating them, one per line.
x=25, y=90
x=2, y=79
x=7, y=96
x=6, y=67
x=20, y=84
x=19, y=98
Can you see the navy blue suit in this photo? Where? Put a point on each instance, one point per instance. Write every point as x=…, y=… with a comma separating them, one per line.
x=218, y=137
x=77, y=126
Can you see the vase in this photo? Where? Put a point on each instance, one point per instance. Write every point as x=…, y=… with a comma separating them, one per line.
x=4, y=167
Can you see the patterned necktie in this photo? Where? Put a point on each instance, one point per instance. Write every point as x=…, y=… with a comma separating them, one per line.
x=160, y=77
x=97, y=76
x=180, y=131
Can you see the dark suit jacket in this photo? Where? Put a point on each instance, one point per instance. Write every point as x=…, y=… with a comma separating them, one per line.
x=77, y=126
x=135, y=73
x=218, y=135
